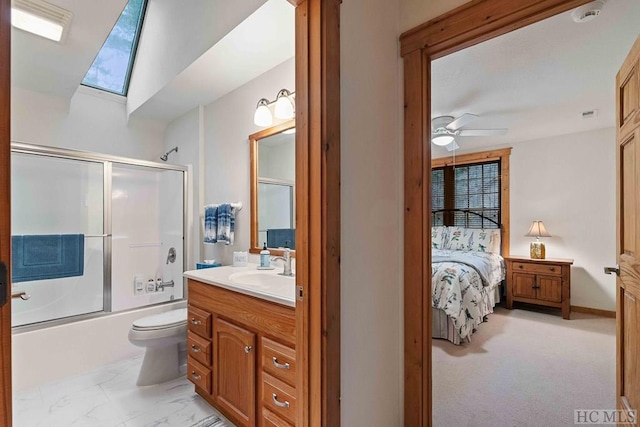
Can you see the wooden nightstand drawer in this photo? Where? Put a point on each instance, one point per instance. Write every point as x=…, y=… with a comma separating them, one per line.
x=199, y=374
x=269, y=419
x=199, y=321
x=199, y=348
x=279, y=361
x=537, y=268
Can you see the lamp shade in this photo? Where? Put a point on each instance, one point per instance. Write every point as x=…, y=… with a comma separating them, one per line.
x=538, y=230
x=262, y=116
x=442, y=140
x=284, y=106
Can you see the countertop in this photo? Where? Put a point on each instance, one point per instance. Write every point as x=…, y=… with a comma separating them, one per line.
x=280, y=291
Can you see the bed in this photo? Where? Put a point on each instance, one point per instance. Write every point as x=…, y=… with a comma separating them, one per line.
x=467, y=270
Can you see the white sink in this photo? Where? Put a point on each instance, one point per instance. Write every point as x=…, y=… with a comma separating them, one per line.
x=261, y=279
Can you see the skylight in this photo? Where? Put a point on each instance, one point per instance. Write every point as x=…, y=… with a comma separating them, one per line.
x=111, y=69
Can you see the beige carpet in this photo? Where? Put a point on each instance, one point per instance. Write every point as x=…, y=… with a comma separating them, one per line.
x=525, y=368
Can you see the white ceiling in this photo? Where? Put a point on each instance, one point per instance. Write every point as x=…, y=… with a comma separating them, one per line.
x=45, y=66
x=262, y=41
x=537, y=81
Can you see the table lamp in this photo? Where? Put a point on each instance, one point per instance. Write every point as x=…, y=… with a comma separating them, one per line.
x=537, y=230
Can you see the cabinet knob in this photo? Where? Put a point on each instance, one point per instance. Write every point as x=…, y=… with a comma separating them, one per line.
x=552, y=268
x=280, y=365
x=284, y=404
x=195, y=349
x=195, y=322
x=520, y=267
x=247, y=349
x=195, y=376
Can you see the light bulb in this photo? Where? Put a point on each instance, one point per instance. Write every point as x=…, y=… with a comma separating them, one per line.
x=442, y=140
x=284, y=106
x=262, y=116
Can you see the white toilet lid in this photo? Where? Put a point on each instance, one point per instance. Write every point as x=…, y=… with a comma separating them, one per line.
x=164, y=320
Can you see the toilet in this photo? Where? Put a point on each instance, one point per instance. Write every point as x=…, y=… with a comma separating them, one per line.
x=164, y=336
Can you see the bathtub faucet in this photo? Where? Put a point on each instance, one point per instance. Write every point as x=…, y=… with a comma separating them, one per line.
x=168, y=284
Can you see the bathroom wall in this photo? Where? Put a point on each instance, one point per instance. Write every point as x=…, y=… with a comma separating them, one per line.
x=225, y=126
x=92, y=121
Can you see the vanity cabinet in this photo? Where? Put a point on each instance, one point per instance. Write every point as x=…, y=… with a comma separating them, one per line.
x=242, y=356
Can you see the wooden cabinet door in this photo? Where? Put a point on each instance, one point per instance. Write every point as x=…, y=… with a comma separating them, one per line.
x=234, y=371
x=628, y=231
x=549, y=288
x=524, y=285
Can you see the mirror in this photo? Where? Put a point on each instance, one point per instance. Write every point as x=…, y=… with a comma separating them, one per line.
x=273, y=175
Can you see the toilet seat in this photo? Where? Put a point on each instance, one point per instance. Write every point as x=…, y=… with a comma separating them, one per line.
x=167, y=320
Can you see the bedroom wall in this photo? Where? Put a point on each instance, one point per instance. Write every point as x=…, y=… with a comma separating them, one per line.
x=569, y=183
x=90, y=122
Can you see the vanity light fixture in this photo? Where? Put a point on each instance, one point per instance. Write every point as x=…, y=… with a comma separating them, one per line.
x=283, y=109
x=262, y=116
x=41, y=18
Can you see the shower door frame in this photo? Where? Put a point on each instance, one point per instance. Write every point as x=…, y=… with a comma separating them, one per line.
x=107, y=161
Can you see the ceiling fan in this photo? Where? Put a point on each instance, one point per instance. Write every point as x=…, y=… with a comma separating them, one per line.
x=444, y=129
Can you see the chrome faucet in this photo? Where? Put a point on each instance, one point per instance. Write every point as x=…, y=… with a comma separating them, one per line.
x=287, y=262
x=169, y=284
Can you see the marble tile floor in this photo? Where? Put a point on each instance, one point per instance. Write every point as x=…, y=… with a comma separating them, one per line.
x=109, y=397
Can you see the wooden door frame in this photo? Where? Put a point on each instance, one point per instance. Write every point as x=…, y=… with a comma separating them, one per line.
x=465, y=26
x=318, y=197
x=5, y=207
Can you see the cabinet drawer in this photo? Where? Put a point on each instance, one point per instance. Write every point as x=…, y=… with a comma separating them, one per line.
x=199, y=348
x=199, y=374
x=199, y=321
x=537, y=268
x=279, y=361
x=269, y=419
x=279, y=397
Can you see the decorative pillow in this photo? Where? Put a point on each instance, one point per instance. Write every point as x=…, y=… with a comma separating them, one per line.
x=438, y=237
x=477, y=240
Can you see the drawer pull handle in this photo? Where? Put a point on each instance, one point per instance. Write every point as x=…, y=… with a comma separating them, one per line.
x=195, y=349
x=520, y=266
x=248, y=349
x=280, y=365
x=195, y=376
x=195, y=322
x=278, y=403
x=552, y=268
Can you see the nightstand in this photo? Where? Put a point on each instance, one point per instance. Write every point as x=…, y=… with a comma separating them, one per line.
x=539, y=281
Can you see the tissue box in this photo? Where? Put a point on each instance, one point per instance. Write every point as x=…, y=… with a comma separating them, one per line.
x=201, y=265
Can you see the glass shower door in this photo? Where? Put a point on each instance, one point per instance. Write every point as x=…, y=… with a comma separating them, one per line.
x=57, y=237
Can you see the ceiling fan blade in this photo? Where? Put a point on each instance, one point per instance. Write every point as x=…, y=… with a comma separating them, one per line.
x=452, y=146
x=482, y=132
x=461, y=121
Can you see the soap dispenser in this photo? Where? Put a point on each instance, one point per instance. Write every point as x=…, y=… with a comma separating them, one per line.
x=265, y=255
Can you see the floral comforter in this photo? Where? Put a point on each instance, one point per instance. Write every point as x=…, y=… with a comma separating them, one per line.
x=459, y=281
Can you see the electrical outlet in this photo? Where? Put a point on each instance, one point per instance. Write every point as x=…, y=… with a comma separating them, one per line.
x=138, y=285
x=151, y=286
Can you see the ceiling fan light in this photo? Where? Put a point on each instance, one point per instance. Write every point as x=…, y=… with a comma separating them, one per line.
x=284, y=106
x=442, y=140
x=262, y=116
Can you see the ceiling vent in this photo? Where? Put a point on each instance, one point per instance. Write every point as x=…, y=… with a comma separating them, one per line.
x=41, y=18
x=588, y=12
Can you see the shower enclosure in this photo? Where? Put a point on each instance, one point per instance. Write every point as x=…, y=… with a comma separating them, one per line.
x=93, y=234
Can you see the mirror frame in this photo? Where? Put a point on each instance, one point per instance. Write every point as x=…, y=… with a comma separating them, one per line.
x=254, y=139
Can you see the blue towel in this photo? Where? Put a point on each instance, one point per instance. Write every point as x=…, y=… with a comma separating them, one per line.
x=51, y=256
x=211, y=224
x=281, y=237
x=226, y=223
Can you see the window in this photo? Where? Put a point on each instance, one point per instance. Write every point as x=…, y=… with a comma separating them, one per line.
x=112, y=67
x=470, y=188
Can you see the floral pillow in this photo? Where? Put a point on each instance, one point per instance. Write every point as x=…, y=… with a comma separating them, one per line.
x=477, y=240
x=438, y=237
